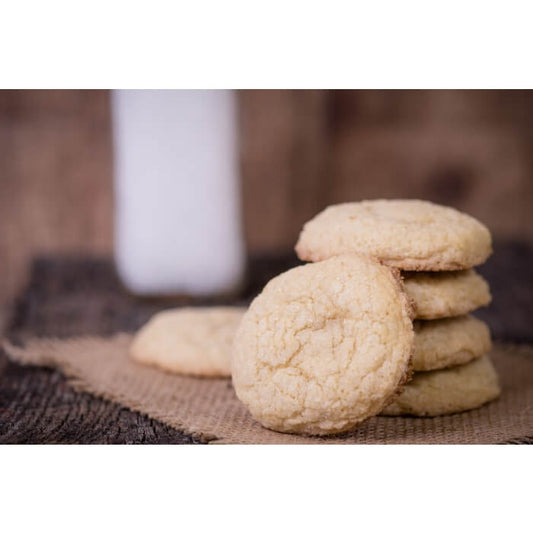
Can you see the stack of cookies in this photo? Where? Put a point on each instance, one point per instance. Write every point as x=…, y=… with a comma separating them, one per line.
x=387, y=292
x=376, y=323
x=435, y=248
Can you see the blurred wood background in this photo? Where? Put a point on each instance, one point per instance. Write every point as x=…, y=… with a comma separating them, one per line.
x=300, y=151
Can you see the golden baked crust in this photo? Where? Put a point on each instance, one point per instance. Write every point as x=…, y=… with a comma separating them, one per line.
x=406, y=234
x=324, y=346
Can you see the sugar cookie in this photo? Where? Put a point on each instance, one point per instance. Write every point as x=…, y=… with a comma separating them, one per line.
x=445, y=294
x=449, y=342
x=324, y=346
x=191, y=340
x=407, y=234
x=448, y=391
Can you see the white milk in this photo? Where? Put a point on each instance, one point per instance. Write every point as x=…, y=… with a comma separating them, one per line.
x=178, y=226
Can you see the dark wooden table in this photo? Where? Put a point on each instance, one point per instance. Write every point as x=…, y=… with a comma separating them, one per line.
x=76, y=296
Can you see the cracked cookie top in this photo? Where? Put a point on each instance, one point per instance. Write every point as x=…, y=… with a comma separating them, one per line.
x=324, y=346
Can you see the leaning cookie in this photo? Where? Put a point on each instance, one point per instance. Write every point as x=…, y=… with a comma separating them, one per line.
x=449, y=342
x=324, y=346
x=449, y=391
x=445, y=294
x=191, y=341
x=407, y=234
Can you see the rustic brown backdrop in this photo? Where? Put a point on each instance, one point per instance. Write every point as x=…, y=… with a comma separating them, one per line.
x=300, y=150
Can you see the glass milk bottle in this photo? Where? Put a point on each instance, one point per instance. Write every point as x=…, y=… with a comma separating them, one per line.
x=178, y=226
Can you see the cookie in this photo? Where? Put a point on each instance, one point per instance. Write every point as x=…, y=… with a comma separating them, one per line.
x=446, y=294
x=193, y=341
x=324, y=346
x=443, y=392
x=407, y=234
x=449, y=342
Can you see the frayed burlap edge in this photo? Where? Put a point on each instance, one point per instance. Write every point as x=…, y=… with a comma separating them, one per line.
x=208, y=408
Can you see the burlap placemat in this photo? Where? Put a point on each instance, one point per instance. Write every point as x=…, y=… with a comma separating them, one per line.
x=209, y=408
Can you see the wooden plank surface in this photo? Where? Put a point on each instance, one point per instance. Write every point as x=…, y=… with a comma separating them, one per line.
x=55, y=178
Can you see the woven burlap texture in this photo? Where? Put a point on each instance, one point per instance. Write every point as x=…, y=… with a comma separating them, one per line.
x=208, y=408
